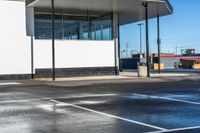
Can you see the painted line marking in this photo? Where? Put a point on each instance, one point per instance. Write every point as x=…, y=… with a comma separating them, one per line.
x=177, y=129
x=10, y=83
x=109, y=115
x=165, y=98
x=64, y=97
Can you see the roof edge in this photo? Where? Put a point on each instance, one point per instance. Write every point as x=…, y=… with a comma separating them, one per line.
x=169, y=6
x=166, y=2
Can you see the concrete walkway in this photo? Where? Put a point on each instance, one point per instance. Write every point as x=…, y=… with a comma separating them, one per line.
x=123, y=75
x=155, y=75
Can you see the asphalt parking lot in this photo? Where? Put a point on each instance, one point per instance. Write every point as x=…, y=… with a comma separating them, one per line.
x=128, y=107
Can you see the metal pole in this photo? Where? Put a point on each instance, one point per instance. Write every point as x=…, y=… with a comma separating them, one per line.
x=53, y=39
x=32, y=59
x=159, y=42
x=147, y=39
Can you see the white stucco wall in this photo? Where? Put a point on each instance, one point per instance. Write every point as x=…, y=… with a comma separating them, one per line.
x=14, y=45
x=73, y=54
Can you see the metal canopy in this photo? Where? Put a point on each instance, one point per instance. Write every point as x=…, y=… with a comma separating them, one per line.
x=129, y=10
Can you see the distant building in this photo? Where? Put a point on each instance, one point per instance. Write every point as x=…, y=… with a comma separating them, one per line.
x=170, y=60
x=188, y=52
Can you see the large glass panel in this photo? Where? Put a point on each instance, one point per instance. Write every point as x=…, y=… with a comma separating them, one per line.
x=42, y=26
x=107, y=27
x=58, y=27
x=96, y=29
x=75, y=28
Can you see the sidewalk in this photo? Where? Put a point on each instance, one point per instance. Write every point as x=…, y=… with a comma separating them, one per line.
x=124, y=77
x=85, y=78
x=154, y=75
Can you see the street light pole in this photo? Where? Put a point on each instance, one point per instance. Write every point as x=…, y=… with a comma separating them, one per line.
x=140, y=26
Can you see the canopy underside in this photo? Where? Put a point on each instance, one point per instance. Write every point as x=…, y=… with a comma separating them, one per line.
x=129, y=10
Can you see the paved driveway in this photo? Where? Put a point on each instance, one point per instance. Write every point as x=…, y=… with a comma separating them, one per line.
x=127, y=107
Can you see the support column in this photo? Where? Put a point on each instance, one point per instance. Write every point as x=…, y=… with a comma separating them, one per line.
x=32, y=58
x=159, y=42
x=116, y=41
x=147, y=39
x=119, y=47
x=53, y=39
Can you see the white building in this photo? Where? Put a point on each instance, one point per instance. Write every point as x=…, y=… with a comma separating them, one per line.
x=85, y=32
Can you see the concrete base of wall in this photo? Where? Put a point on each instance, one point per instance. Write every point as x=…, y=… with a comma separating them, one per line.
x=62, y=72
x=15, y=77
x=72, y=72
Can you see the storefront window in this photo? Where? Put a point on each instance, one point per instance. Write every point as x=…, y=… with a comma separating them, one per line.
x=74, y=27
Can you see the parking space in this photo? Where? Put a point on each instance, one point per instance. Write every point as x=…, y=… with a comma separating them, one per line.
x=113, y=108
x=150, y=111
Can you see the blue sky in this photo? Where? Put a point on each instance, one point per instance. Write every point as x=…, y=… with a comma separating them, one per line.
x=181, y=29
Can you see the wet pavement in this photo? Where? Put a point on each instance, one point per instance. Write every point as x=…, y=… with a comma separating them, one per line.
x=156, y=107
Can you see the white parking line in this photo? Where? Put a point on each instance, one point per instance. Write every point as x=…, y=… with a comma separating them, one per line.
x=109, y=115
x=169, y=99
x=64, y=97
x=177, y=129
x=10, y=83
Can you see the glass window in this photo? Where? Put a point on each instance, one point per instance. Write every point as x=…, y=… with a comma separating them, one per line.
x=74, y=27
x=42, y=26
x=58, y=27
x=107, y=27
x=96, y=29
